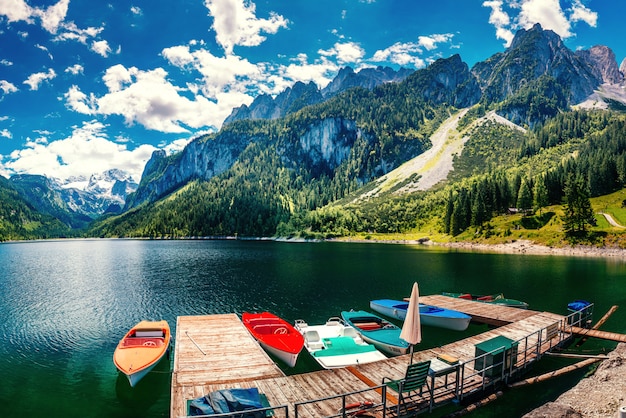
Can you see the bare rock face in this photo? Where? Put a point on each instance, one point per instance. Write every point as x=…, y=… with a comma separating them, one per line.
x=600, y=395
x=622, y=68
x=601, y=60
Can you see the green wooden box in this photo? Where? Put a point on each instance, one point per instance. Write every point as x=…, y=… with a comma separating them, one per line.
x=502, y=353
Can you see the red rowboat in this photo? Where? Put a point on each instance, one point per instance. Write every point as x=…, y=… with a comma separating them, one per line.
x=275, y=335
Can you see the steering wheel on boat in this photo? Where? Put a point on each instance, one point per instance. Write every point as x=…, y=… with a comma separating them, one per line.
x=388, y=326
x=149, y=344
x=280, y=331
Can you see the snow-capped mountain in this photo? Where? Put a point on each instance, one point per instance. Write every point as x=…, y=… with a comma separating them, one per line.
x=78, y=200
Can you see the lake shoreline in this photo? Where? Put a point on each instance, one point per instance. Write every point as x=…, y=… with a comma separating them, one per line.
x=523, y=247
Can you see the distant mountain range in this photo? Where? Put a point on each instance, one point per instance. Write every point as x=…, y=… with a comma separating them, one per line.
x=358, y=128
x=78, y=201
x=301, y=95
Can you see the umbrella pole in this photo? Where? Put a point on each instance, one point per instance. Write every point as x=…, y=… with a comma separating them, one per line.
x=412, y=346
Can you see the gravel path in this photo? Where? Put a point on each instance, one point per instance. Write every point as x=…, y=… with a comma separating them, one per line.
x=612, y=221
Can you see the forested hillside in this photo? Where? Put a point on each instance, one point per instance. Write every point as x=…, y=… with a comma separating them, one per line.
x=535, y=170
x=20, y=221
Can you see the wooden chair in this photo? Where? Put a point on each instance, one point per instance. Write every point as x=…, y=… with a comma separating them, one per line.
x=413, y=383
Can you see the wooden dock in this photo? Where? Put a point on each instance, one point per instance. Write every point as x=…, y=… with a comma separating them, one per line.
x=212, y=350
x=216, y=352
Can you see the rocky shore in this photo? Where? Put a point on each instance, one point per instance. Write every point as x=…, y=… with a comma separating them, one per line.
x=601, y=395
x=528, y=247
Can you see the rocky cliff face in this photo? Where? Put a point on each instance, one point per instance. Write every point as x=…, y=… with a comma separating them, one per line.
x=329, y=141
x=323, y=146
x=202, y=158
x=602, y=63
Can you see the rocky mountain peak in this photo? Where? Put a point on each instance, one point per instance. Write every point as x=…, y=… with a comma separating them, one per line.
x=601, y=60
x=622, y=68
x=536, y=53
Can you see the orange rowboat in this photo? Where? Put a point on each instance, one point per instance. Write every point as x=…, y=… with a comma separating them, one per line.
x=275, y=335
x=141, y=349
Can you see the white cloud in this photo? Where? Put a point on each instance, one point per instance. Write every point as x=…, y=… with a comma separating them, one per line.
x=53, y=16
x=501, y=20
x=16, y=10
x=5, y=133
x=71, y=32
x=409, y=54
x=527, y=13
x=136, y=10
x=235, y=23
x=347, y=52
x=35, y=80
x=79, y=102
x=6, y=62
x=46, y=50
x=431, y=42
x=101, y=48
x=320, y=72
x=147, y=98
x=404, y=54
x=580, y=12
x=548, y=13
x=75, y=69
x=86, y=151
x=7, y=87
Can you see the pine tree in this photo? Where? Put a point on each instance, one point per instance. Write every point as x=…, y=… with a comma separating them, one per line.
x=578, y=211
x=540, y=194
x=524, y=196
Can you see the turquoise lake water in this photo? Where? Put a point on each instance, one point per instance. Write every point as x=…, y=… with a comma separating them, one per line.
x=65, y=305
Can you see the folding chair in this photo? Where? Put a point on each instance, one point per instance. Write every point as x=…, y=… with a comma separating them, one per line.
x=415, y=379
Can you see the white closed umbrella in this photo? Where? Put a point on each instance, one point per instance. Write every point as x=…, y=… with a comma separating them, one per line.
x=411, y=329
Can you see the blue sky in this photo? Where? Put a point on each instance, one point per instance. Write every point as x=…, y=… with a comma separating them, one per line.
x=86, y=85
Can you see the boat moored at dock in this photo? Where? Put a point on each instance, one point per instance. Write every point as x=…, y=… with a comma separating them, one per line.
x=335, y=344
x=275, y=335
x=377, y=331
x=429, y=315
x=141, y=349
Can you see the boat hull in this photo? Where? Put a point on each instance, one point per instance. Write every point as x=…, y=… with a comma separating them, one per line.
x=141, y=349
x=290, y=359
x=384, y=335
x=275, y=335
x=429, y=315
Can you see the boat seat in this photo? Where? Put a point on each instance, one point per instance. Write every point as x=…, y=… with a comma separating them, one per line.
x=148, y=334
x=313, y=340
x=270, y=329
x=367, y=326
x=351, y=332
x=145, y=342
